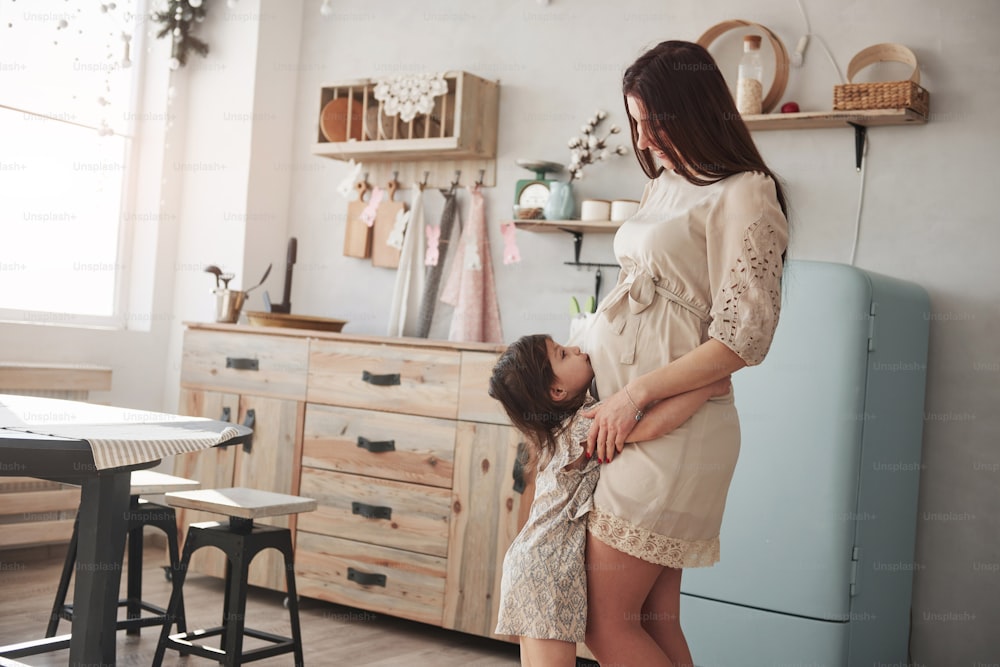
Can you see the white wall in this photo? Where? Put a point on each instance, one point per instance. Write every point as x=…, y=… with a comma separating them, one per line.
x=928, y=208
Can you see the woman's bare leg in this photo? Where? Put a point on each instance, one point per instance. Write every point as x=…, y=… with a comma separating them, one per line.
x=661, y=617
x=547, y=653
x=617, y=586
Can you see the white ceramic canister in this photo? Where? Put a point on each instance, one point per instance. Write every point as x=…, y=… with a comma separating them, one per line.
x=595, y=209
x=623, y=209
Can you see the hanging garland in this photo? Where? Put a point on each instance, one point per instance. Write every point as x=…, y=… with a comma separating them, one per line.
x=178, y=21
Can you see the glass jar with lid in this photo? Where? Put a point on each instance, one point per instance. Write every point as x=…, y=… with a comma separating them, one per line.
x=749, y=83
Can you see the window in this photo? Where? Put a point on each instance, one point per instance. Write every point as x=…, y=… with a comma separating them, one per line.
x=67, y=84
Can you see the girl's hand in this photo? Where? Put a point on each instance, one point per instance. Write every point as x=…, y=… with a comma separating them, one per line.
x=613, y=419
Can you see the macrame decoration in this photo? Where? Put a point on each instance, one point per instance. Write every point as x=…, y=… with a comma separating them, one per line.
x=409, y=94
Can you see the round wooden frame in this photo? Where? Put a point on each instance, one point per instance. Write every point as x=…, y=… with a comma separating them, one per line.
x=780, y=57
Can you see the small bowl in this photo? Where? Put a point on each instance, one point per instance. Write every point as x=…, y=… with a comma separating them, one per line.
x=528, y=213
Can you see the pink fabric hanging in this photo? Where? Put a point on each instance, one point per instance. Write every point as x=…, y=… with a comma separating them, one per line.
x=470, y=287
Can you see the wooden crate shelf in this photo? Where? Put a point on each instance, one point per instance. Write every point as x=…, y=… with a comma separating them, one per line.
x=463, y=124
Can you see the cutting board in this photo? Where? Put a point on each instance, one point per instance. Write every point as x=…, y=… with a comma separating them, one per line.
x=385, y=219
x=357, y=235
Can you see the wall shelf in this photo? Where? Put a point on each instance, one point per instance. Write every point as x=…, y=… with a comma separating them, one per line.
x=815, y=120
x=463, y=123
x=458, y=135
x=571, y=226
x=577, y=228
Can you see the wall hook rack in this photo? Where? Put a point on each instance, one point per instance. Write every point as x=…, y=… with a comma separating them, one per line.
x=598, y=276
x=577, y=246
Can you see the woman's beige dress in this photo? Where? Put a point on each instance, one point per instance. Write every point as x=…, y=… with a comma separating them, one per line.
x=698, y=262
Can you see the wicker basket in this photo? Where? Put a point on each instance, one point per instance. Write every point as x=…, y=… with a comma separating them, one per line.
x=906, y=94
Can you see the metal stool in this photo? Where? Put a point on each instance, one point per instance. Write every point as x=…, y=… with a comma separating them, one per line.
x=142, y=513
x=240, y=539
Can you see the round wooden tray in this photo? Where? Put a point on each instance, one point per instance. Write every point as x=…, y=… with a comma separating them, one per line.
x=263, y=319
x=780, y=56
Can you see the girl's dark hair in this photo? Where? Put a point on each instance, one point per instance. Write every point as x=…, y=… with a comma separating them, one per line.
x=521, y=381
x=691, y=116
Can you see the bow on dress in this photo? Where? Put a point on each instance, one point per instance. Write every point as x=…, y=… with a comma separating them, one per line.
x=634, y=295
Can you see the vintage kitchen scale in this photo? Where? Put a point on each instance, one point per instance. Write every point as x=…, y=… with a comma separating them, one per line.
x=532, y=194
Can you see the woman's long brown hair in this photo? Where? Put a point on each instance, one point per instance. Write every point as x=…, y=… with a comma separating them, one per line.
x=691, y=116
x=521, y=380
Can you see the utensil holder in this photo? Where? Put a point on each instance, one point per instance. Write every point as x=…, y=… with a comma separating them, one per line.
x=228, y=304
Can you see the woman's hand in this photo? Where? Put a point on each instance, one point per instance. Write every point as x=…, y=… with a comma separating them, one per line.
x=613, y=419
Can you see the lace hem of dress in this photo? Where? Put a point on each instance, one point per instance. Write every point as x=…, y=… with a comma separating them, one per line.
x=652, y=547
x=751, y=298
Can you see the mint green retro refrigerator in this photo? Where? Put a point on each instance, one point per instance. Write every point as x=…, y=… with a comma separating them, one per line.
x=817, y=540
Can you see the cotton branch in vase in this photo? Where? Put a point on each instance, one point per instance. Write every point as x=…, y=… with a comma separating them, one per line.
x=590, y=147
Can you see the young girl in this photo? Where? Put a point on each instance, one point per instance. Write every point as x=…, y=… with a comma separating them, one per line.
x=543, y=387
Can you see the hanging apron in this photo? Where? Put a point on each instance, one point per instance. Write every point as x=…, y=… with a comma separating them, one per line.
x=404, y=312
x=442, y=236
x=470, y=287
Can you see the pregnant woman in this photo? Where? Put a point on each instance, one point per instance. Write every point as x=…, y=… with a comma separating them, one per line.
x=697, y=299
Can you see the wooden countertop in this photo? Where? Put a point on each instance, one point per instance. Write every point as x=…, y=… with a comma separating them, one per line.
x=358, y=338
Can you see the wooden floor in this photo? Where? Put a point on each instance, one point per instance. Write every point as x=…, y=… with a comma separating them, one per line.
x=332, y=634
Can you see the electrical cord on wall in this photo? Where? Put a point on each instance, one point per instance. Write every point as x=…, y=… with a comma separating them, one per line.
x=799, y=56
x=797, y=59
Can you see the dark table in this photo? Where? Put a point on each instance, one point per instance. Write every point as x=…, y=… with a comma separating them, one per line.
x=96, y=447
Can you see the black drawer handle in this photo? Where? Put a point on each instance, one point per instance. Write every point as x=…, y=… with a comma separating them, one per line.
x=386, y=380
x=519, y=463
x=249, y=421
x=376, y=446
x=226, y=416
x=371, y=511
x=365, y=579
x=243, y=364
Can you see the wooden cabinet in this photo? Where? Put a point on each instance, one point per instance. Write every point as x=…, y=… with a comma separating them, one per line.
x=265, y=378
x=415, y=468
x=244, y=363
x=270, y=464
x=378, y=455
x=488, y=495
x=213, y=468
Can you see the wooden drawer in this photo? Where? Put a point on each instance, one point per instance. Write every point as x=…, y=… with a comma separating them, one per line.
x=245, y=363
x=380, y=444
x=411, y=380
x=474, y=402
x=342, y=571
x=353, y=506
